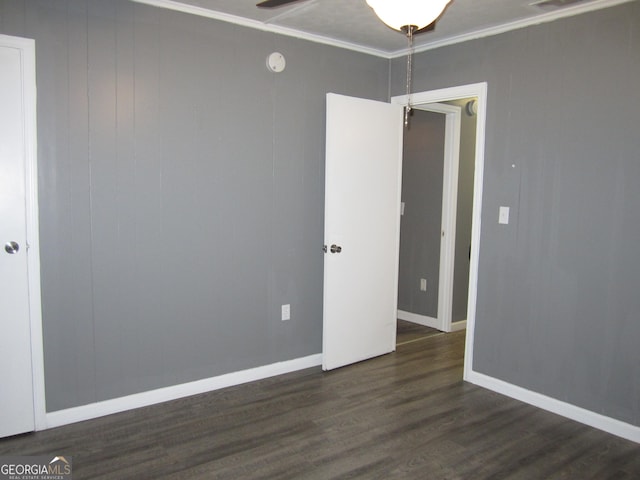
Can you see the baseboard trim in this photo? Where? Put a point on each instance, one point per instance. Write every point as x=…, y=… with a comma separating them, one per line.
x=144, y=399
x=587, y=417
x=419, y=319
x=459, y=325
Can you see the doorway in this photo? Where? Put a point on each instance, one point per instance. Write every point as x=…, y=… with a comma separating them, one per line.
x=438, y=165
x=339, y=250
x=461, y=98
x=430, y=208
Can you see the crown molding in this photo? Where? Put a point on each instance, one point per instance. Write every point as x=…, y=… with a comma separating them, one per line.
x=265, y=27
x=515, y=25
x=452, y=40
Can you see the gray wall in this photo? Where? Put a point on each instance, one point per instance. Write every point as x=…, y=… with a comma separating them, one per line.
x=422, y=171
x=464, y=211
x=181, y=192
x=558, y=295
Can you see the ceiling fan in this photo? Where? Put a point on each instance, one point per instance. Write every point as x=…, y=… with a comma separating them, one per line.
x=280, y=3
x=274, y=3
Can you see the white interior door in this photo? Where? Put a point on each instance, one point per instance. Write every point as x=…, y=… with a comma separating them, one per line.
x=363, y=177
x=16, y=381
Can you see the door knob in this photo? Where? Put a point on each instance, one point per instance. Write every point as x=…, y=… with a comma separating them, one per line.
x=11, y=247
x=336, y=248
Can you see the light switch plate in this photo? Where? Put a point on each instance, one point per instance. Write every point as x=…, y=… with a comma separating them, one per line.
x=503, y=216
x=286, y=312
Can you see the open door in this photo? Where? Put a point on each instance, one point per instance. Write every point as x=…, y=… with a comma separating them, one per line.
x=363, y=177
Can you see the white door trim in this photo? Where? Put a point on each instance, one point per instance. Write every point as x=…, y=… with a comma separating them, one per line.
x=478, y=90
x=27, y=49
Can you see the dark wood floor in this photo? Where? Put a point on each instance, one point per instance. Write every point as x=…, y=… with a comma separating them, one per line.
x=403, y=415
x=410, y=332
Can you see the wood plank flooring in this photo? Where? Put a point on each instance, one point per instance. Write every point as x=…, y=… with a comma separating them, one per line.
x=410, y=332
x=405, y=415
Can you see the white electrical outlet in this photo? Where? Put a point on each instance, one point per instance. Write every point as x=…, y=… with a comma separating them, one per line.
x=286, y=312
x=423, y=284
x=401, y=208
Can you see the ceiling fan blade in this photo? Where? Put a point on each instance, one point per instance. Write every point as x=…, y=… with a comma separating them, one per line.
x=429, y=28
x=274, y=3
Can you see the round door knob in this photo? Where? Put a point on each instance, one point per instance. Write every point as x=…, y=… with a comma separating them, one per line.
x=336, y=248
x=11, y=247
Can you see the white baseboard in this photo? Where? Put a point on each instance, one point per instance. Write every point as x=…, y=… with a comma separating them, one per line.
x=116, y=405
x=419, y=319
x=459, y=325
x=587, y=417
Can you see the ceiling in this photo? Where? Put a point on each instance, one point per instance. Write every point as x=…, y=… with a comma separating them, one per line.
x=352, y=24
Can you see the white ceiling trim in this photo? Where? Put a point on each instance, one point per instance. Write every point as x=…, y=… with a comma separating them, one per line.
x=515, y=25
x=290, y=32
x=247, y=22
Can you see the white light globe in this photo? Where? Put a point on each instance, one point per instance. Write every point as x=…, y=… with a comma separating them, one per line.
x=402, y=13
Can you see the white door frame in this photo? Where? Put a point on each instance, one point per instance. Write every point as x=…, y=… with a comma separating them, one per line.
x=27, y=48
x=478, y=90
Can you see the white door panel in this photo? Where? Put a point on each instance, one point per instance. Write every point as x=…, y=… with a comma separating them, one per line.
x=362, y=216
x=16, y=386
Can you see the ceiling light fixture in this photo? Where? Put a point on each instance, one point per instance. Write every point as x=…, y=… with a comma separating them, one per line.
x=402, y=13
x=408, y=16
